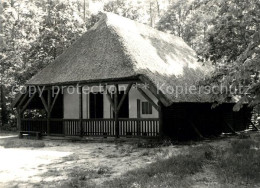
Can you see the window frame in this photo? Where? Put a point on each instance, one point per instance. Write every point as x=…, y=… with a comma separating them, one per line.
x=147, y=108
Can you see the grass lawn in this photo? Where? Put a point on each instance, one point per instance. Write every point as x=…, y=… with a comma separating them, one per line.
x=205, y=166
x=236, y=163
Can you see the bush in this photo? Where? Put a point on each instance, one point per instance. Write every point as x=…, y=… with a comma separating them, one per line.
x=8, y=127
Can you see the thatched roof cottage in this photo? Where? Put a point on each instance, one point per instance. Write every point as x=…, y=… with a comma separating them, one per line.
x=147, y=86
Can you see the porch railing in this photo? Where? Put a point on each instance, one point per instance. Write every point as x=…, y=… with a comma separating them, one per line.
x=128, y=127
x=99, y=127
x=39, y=125
x=138, y=127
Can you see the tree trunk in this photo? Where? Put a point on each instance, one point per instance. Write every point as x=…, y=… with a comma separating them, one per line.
x=3, y=108
x=158, y=8
x=151, y=15
x=1, y=30
x=12, y=3
x=84, y=9
x=49, y=12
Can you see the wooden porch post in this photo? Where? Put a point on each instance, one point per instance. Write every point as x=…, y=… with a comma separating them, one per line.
x=19, y=125
x=195, y=129
x=160, y=105
x=138, y=117
x=230, y=127
x=48, y=106
x=116, y=105
x=19, y=113
x=48, y=112
x=116, y=110
x=80, y=111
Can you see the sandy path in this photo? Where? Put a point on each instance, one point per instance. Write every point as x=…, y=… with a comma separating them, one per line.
x=26, y=165
x=57, y=162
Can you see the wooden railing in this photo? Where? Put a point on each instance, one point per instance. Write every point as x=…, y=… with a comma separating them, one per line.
x=56, y=127
x=128, y=127
x=99, y=127
x=138, y=127
x=39, y=125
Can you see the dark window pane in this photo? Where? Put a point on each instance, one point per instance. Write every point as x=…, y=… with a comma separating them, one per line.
x=149, y=108
x=146, y=108
x=96, y=105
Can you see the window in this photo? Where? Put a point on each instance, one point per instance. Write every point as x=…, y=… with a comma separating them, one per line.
x=146, y=108
x=96, y=105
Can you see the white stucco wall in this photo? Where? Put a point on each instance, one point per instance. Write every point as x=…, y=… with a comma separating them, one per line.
x=71, y=104
x=134, y=94
x=85, y=104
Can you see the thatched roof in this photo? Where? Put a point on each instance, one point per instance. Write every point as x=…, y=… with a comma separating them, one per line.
x=118, y=48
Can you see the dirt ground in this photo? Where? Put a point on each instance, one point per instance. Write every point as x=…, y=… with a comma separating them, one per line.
x=67, y=163
x=56, y=163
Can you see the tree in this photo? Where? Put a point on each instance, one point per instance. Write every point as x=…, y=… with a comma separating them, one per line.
x=190, y=20
x=53, y=38
x=2, y=110
x=134, y=10
x=234, y=47
x=34, y=33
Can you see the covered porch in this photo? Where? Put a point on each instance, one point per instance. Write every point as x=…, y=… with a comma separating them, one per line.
x=118, y=109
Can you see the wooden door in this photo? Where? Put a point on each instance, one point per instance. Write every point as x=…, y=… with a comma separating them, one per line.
x=96, y=105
